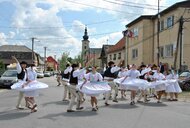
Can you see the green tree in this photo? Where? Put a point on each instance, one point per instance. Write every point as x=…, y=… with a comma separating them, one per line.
x=70, y=60
x=63, y=61
x=78, y=59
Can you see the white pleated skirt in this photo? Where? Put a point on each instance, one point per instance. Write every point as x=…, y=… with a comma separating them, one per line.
x=94, y=88
x=132, y=83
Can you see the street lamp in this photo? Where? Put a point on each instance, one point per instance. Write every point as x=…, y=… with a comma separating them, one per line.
x=45, y=48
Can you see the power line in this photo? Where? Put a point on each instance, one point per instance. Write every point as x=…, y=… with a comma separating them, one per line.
x=73, y=2
x=57, y=38
x=60, y=27
x=136, y=6
x=140, y=3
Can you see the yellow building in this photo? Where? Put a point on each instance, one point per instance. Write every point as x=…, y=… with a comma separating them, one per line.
x=143, y=46
x=168, y=35
x=139, y=46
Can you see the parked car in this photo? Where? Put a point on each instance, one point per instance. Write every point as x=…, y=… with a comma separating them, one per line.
x=47, y=74
x=184, y=80
x=8, y=78
x=40, y=74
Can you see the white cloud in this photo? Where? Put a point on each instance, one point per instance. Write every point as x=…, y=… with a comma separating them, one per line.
x=110, y=39
x=3, y=39
x=11, y=34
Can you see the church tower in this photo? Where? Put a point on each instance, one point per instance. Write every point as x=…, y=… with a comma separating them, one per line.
x=85, y=47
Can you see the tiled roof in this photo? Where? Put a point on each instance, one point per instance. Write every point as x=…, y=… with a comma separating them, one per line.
x=14, y=48
x=51, y=59
x=119, y=46
x=95, y=50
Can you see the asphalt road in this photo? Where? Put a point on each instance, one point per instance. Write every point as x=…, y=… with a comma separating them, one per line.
x=52, y=112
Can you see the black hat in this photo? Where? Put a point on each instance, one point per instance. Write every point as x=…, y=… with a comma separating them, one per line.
x=143, y=66
x=67, y=65
x=23, y=62
x=32, y=65
x=110, y=63
x=74, y=65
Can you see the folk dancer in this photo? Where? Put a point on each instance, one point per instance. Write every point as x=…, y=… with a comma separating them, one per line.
x=122, y=73
x=29, y=95
x=93, y=86
x=73, y=82
x=149, y=77
x=173, y=88
x=143, y=92
x=109, y=77
x=65, y=81
x=133, y=87
x=159, y=84
x=59, y=78
x=22, y=76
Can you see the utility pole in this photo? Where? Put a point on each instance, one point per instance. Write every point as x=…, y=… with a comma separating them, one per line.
x=33, y=49
x=158, y=36
x=127, y=50
x=179, y=44
x=33, y=38
x=45, y=59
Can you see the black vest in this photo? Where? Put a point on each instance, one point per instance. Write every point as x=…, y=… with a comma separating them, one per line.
x=142, y=76
x=108, y=73
x=21, y=75
x=73, y=80
x=66, y=76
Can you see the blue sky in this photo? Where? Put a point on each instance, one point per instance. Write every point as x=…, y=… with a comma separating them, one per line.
x=59, y=24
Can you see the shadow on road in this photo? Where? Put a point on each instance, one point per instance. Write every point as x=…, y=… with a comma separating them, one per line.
x=80, y=114
x=123, y=106
x=13, y=114
x=56, y=102
x=153, y=104
x=66, y=114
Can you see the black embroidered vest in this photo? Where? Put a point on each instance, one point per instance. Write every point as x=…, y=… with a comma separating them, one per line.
x=73, y=80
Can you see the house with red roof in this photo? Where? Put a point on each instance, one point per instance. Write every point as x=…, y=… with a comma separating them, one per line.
x=51, y=64
x=116, y=53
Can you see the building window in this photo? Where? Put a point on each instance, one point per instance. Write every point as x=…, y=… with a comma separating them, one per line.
x=162, y=25
x=169, y=50
x=119, y=55
x=84, y=47
x=110, y=57
x=170, y=21
x=114, y=57
x=135, y=32
x=134, y=53
x=161, y=51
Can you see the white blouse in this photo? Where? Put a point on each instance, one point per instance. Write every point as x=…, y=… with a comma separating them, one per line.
x=123, y=74
x=172, y=76
x=32, y=75
x=67, y=70
x=158, y=76
x=134, y=73
x=93, y=77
